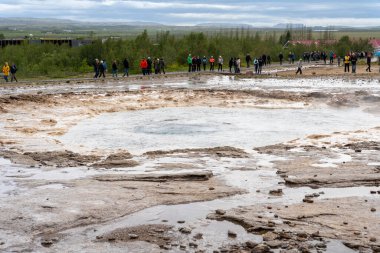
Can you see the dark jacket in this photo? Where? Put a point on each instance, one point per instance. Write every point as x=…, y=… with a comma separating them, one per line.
x=126, y=64
x=13, y=69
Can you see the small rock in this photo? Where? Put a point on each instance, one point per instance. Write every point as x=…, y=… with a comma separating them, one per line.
x=308, y=200
x=182, y=247
x=302, y=235
x=269, y=207
x=321, y=245
x=133, y=236
x=181, y=221
x=211, y=188
x=231, y=234
x=358, y=150
x=373, y=209
x=193, y=245
x=166, y=247
x=185, y=230
x=251, y=244
x=164, y=220
x=261, y=248
x=220, y=212
x=277, y=192
x=46, y=243
x=198, y=236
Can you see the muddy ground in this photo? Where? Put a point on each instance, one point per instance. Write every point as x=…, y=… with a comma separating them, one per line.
x=59, y=198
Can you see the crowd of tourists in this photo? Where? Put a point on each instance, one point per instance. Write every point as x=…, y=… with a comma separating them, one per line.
x=157, y=66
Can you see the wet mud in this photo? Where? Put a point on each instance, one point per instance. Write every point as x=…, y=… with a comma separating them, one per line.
x=165, y=175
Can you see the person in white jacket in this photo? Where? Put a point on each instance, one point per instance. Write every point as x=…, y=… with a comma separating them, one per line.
x=220, y=63
x=299, y=65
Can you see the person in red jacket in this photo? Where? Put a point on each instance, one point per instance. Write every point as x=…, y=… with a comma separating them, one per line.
x=212, y=63
x=144, y=66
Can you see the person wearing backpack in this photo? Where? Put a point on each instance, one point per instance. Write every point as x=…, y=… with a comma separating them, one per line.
x=13, y=72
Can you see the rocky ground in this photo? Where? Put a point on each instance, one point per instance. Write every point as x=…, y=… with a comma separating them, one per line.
x=56, y=198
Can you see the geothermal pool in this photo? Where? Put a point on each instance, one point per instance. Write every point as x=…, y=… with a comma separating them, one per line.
x=204, y=127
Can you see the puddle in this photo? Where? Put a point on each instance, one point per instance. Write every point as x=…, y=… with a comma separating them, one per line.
x=201, y=127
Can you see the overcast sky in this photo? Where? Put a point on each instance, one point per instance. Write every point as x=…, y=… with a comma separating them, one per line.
x=183, y=12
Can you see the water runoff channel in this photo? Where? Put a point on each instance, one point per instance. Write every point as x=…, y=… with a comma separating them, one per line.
x=204, y=127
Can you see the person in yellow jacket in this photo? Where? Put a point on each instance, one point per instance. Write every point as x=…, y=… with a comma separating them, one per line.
x=6, y=70
x=347, y=60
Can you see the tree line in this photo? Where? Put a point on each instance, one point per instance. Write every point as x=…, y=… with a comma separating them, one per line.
x=54, y=61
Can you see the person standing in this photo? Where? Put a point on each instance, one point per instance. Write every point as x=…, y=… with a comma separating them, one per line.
x=6, y=71
x=231, y=64
x=149, y=67
x=354, y=60
x=347, y=63
x=238, y=65
x=212, y=63
x=156, y=66
x=162, y=65
x=369, y=59
x=143, y=66
x=256, y=64
x=260, y=63
x=264, y=57
x=13, y=72
x=199, y=63
x=299, y=67
x=190, y=62
x=114, y=68
x=220, y=63
x=248, y=59
x=204, y=62
x=331, y=57
x=126, y=67
x=102, y=69
x=194, y=64
x=269, y=60
x=281, y=57
x=96, y=68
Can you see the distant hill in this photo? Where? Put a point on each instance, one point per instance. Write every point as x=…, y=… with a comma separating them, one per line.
x=288, y=25
x=51, y=23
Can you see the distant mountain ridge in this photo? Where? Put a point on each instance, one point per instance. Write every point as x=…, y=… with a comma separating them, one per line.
x=51, y=23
